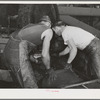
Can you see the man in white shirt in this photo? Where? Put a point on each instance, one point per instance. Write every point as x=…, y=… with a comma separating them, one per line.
x=77, y=38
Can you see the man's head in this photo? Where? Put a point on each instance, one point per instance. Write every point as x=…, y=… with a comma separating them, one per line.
x=46, y=20
x=59, y=27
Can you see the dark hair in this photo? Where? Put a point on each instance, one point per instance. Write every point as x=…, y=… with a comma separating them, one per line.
x=59, y=23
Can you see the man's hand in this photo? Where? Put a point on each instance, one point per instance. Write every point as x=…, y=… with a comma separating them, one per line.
x=52, y=75
x=68, y=66
x=35, y=57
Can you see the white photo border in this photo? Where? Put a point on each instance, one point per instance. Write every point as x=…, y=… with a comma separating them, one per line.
x=49, y=93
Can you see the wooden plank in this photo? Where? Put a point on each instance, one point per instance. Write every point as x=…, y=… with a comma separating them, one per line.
x=83, y=83
x=79, y=11
x=75, y=22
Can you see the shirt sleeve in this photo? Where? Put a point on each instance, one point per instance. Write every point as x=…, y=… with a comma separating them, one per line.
x=66, y=37
x=48, y=33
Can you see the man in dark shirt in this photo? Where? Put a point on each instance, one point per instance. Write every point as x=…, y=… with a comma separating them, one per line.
x=19, y=46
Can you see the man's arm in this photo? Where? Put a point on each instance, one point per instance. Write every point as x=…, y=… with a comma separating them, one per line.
x=64, y=52
x=73, y=50
x=45, y=49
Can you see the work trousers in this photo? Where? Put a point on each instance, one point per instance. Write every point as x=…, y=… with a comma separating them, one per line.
x=92, y=52
x=17, y=61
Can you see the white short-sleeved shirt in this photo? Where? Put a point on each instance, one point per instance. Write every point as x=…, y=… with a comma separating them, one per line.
x=80, y=37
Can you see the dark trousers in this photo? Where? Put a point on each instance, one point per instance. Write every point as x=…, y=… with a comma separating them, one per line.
x=92, y=52
x=17, y=61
